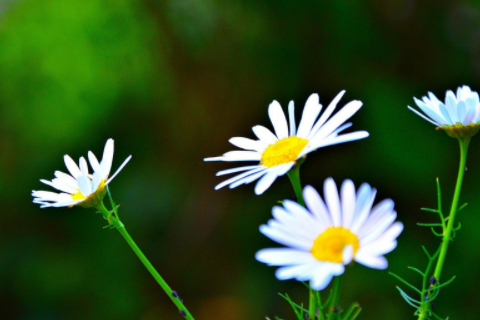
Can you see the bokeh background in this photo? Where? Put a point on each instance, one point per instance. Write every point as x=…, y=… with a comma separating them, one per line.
x=171, y=81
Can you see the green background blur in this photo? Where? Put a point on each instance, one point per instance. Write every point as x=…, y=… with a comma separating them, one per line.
x=171, y=81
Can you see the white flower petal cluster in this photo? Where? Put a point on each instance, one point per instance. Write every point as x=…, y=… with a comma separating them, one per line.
x=79, y=185
x=277, y=152
x=325, y=236
x=463, y=108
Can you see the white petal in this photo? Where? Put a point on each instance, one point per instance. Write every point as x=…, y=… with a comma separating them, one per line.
x=378, y=228
x=107, y=159
x=338, y=119
x=379, y=212
x=365, y=199
x=392, y=232
x=118, y=170
x=321, y=280
x=66, y=179
x=310, y=114
x=378, y=248
x=83, y=166
x=371, y=261
x=265, y=135
x=71, y=166
x=239, y=169
x=64, y=204
x=85, y=185
x=250, y=178
x=286, y=240
x=348, y=203
x=309, y=225
x=248, y=144
x=93, y=161
x=240, y=176
x=278, y=119
x=326, y=114
x=424, y=117
x=265, y=182
x=316, y=205
x=340, y=139
x=242, y=156
x=291, y=272
x=331, y=198
x=284, y=257
x=284, y=168
x=347, y=254
x=57, y=184
x=291, y=114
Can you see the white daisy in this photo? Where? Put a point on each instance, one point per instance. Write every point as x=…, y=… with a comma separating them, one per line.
x=456, y=113
x=278, y=152
x=80, y=187
x=327, y=236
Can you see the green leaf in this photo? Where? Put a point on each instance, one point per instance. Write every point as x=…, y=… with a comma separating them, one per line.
x=416, y=270
x=405, y=282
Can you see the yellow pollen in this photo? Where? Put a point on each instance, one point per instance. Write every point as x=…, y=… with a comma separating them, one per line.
x=283, y=151
x=93, y=199
x=78, y=195
x=329, y=244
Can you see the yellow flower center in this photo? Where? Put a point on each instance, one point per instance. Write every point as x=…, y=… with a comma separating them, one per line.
x=283, y=151
x=93, y=199
x=329, y=244
x=78, y=195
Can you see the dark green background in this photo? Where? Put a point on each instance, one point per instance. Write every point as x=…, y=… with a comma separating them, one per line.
x=171, y=82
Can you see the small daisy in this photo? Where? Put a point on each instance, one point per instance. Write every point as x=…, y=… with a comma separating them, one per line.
x=80, y=187
x=330, y=234
x=459, y=114
x=278, y=152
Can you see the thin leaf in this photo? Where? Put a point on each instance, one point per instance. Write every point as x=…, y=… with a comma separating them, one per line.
x=429, y=224
x=408, y=299
x=405, y=282
x=415, y=269
x=429, y=210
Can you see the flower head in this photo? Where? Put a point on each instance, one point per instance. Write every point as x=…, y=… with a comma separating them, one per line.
x=459, y=116
x=80, y=187
x=277, y=153
x=328, y=235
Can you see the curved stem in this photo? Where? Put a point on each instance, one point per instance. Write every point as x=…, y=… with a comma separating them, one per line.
x=115, y=221
x=447, y=234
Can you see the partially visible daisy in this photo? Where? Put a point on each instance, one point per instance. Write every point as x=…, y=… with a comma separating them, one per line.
x=277, y=153
x=459, y=114
x=80, y=187
x=330, y=234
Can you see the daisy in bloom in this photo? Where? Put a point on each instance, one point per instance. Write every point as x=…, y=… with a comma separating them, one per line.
x=277, y=153
x=459, y=114
x=80, y=187
x=328, y=235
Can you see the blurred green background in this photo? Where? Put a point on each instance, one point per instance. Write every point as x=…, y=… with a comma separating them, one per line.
x=171, y=81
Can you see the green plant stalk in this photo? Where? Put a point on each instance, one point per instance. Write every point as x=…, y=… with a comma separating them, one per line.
x=294, y=175
x=115, y=221
x=447, y=234
x=333, y=312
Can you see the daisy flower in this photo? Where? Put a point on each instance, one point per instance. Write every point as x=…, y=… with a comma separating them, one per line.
x=328, y=235
x=80, y=187
x=459, y=114
x=277, y=153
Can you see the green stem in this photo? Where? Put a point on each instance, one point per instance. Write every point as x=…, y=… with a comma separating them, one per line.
x=294, y=175
x=333, y=309
x=115, y=221
x=447, y=234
